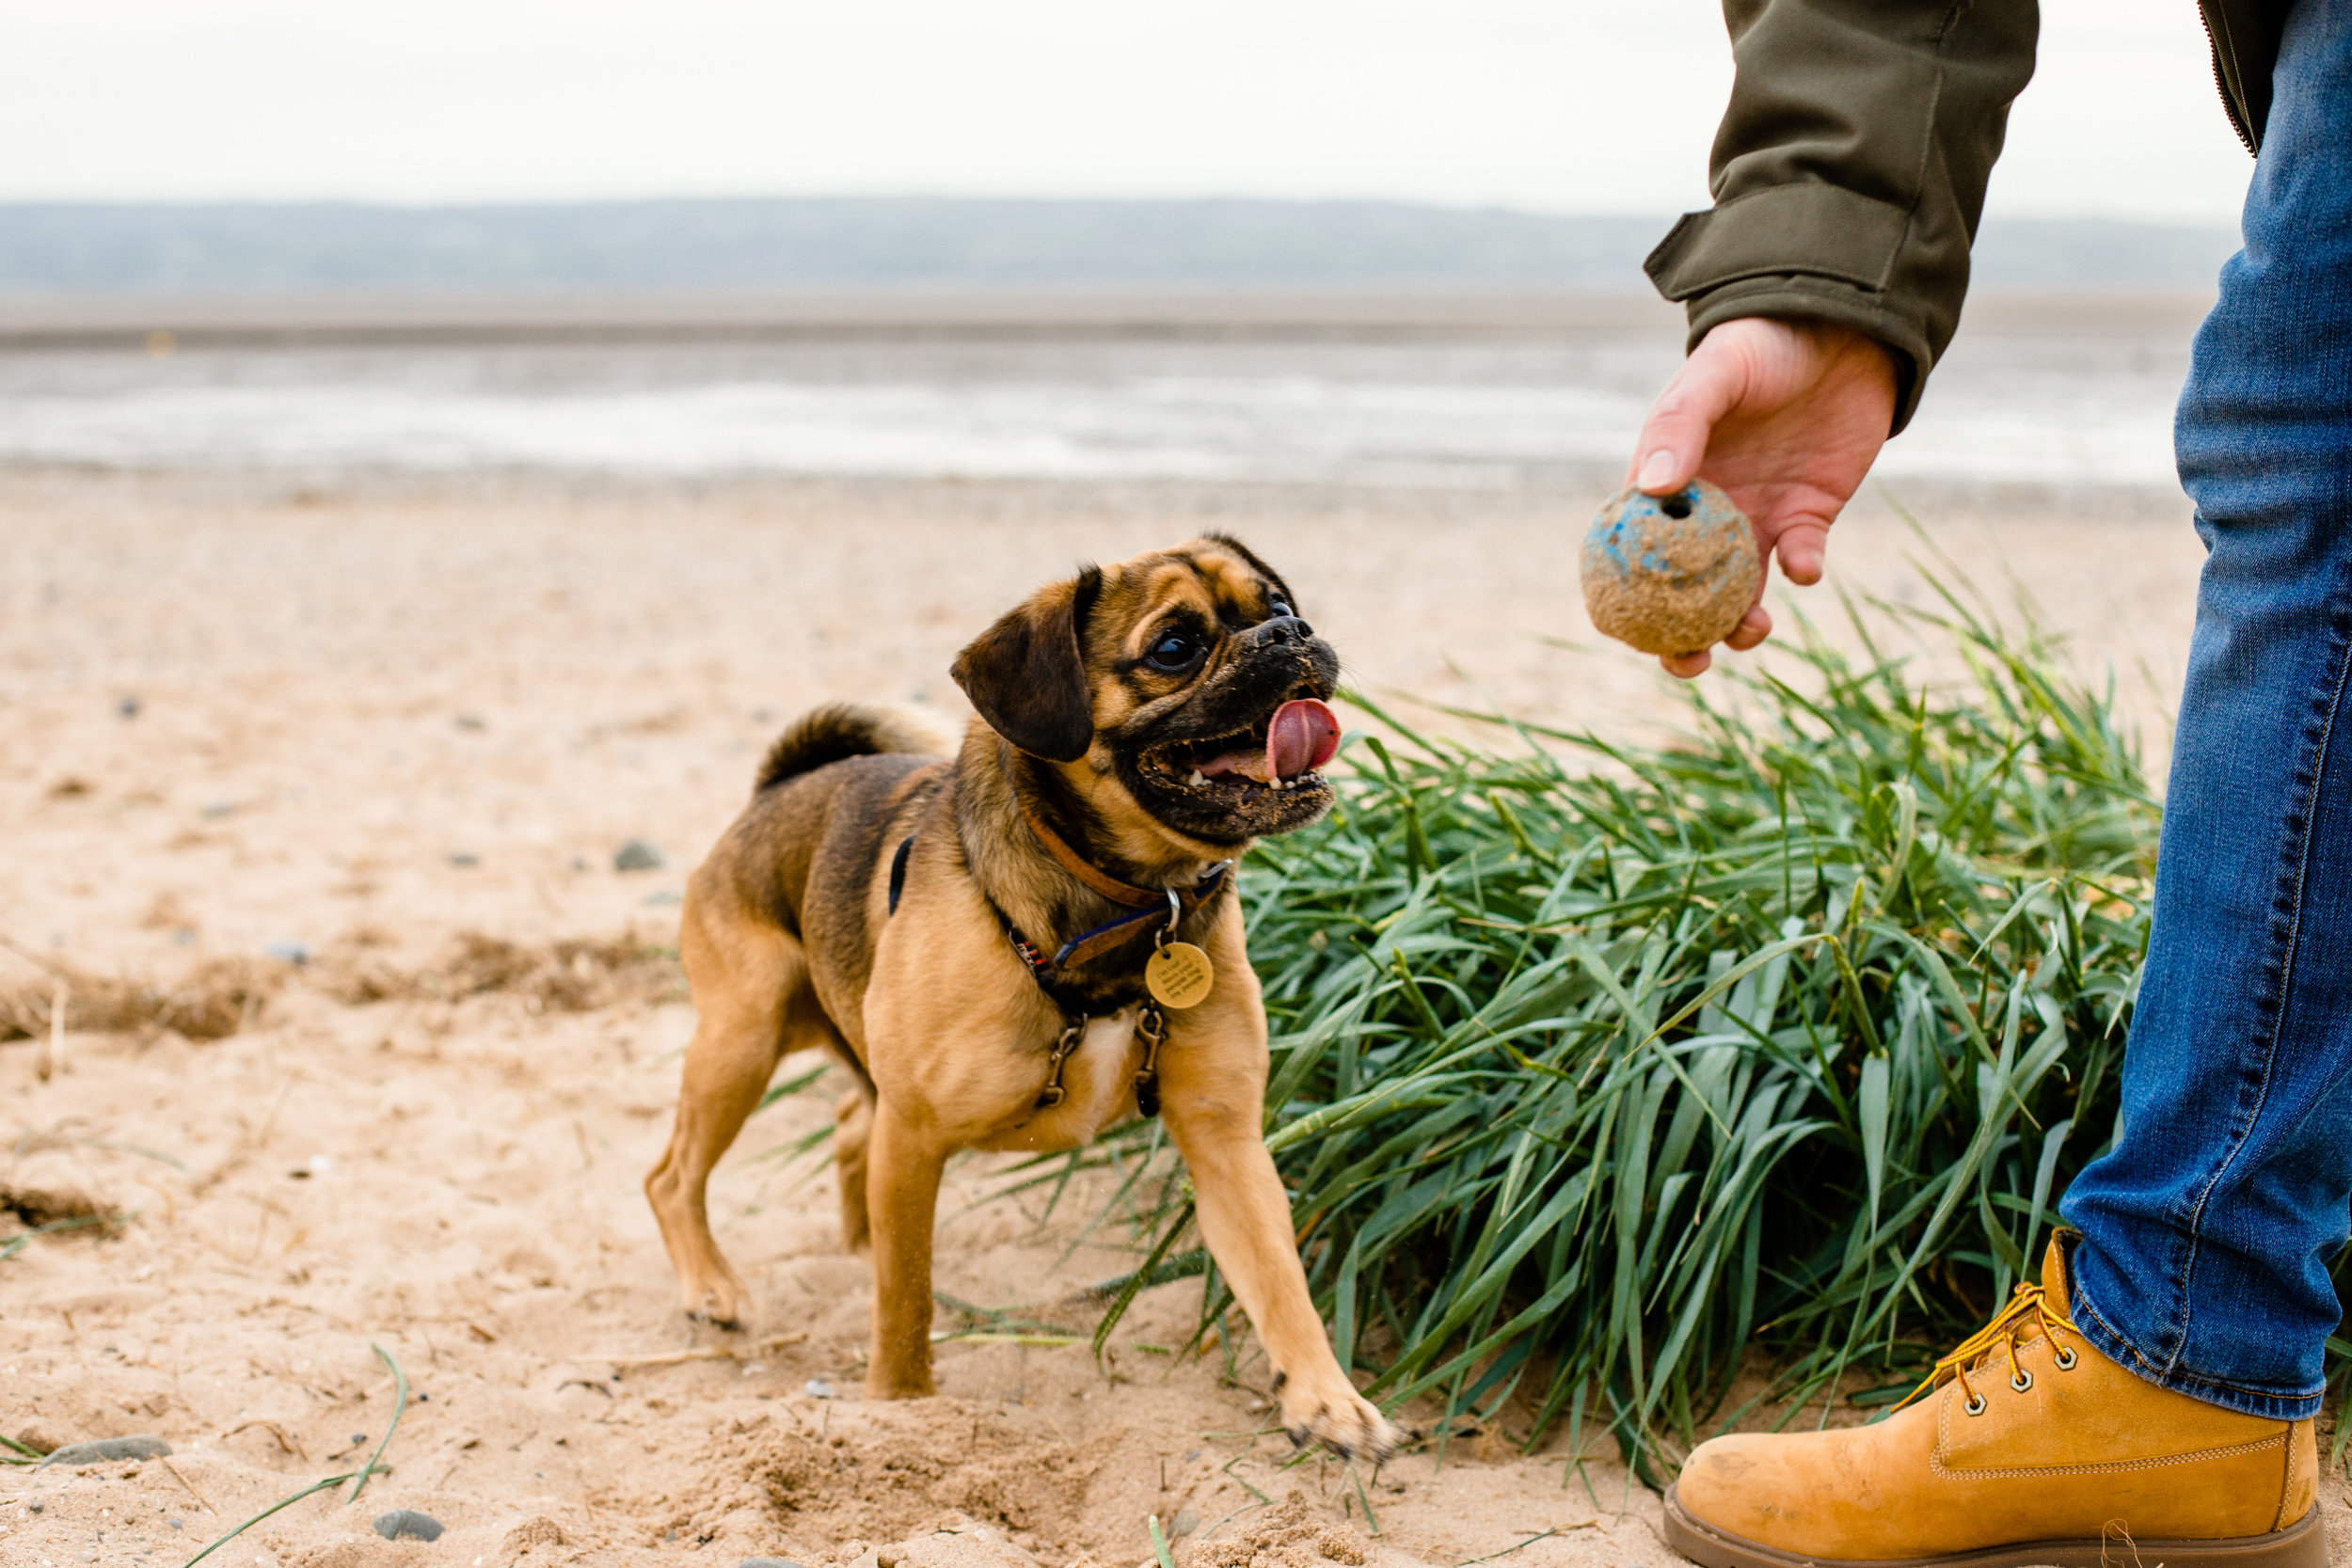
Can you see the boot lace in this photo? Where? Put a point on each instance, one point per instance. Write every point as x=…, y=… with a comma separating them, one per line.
x=2028, y=1307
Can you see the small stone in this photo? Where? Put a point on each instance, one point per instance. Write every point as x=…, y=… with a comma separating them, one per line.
x=407, y=1524
x=469, y=721
x=128, y=707
x=294, y=953
x=637, y=855
x=819, y=1389
x=463, y=860
x=767, y=1562
x=1185, y=1521
x=105, y=1449
x=663, y=899
x=1670, y=574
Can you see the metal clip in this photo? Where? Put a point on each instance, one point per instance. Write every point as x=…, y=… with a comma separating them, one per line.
x=1073, y=1035
x=1152, y=1028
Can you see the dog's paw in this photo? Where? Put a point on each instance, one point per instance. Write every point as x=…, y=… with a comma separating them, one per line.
x=1330, y=1412
x=719, y=1302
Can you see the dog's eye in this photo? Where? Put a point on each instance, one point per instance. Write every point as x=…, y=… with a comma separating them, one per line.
x=1173, y=651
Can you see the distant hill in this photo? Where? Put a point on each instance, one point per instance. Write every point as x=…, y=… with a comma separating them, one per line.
x=836, y=242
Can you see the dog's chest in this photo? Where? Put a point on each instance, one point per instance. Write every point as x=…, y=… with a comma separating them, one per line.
x=1098, y=1082
x=1104, y=1084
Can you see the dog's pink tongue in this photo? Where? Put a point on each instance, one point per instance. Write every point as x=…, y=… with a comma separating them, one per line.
x=1301, y=738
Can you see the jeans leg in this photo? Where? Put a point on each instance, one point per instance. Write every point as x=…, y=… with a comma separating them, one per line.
x=2208, y=1226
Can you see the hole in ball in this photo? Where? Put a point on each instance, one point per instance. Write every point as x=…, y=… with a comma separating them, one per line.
x=1676, y=506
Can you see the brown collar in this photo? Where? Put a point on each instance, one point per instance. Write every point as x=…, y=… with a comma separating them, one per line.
x=1147, y=900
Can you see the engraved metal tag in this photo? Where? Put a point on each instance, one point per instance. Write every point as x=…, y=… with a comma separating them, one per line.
x=1179, y=975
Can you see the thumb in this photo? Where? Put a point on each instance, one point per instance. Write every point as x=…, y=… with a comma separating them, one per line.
x=1673, y=442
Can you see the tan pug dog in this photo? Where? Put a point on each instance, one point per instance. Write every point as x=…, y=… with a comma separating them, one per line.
x=971, y=937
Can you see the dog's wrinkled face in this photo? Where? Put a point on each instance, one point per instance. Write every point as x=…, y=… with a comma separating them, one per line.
x=1185, y=674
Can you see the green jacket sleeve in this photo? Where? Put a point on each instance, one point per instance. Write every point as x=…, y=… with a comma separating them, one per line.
x=1850, y=170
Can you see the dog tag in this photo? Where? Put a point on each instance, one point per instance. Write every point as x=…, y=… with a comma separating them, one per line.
x=1178, y=975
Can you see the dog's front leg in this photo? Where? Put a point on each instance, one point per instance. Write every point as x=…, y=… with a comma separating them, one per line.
x=1213, y=1095
x=903, y=1161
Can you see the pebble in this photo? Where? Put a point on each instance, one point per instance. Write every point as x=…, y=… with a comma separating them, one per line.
x=767, y=1562
x=1670, y=574
x=129, y=707
x=1185, y=1521
x=407, y=1524
x=819, y=1389
x=637, y=855
x=464, y=859
x=103, y=1449
x=294, y=953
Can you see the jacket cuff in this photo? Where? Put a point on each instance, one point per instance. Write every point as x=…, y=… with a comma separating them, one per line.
x=1799, y=252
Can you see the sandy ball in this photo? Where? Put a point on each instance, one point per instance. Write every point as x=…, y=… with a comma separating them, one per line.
x=1670, y=574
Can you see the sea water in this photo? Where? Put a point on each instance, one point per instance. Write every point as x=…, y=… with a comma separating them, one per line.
x=2034, y=407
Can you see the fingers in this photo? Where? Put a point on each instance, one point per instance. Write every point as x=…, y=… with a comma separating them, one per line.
x=1673, y=442
x=1803, y=547
x=1753, y=629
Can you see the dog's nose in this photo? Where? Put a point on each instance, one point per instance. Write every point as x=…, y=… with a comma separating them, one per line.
x=1281, y=631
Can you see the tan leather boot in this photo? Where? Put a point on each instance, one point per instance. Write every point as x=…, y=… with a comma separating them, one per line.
x=2026, y=1446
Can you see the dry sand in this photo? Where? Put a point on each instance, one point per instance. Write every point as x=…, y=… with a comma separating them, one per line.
x=401, y=730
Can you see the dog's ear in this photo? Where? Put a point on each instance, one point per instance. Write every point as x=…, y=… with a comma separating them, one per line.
x=1027, y=675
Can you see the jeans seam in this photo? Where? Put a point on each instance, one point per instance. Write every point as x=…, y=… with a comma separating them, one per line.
x=2289, y=891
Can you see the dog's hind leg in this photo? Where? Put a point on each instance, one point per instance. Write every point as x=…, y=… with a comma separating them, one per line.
x=753, y=1002
x=853, y=1125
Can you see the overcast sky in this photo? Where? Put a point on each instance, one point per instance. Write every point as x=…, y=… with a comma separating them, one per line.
x=1581, y=105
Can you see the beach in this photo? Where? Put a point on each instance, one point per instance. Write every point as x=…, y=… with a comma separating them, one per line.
x=313, y=783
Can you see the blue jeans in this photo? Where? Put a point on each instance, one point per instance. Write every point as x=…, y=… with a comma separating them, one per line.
x=2208, y=1226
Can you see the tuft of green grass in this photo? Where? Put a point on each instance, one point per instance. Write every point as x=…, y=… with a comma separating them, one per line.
x=1597, y=1066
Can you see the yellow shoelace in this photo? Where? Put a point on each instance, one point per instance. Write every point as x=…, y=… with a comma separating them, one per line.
x=2028, y=1306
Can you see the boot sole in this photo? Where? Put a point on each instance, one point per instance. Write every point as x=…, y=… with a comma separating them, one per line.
x=2301, y=1545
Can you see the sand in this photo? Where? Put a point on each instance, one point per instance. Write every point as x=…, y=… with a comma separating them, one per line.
x=397, y=732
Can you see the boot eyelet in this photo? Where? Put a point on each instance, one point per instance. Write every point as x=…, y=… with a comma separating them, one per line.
x=2022, y=1380
x=2065, y=1358
x=1975, y=1406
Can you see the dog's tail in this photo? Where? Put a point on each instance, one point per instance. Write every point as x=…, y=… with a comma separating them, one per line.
x=838, y=730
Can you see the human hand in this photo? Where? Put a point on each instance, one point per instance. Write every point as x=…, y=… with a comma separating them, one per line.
x=1786, y=417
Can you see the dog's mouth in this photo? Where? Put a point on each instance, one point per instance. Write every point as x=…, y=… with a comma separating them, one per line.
x=1300, y=737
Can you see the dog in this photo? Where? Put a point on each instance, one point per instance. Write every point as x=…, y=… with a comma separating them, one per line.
x=1007, y=946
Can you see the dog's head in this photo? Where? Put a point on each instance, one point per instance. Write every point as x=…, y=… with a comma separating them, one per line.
x=1186, y=677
